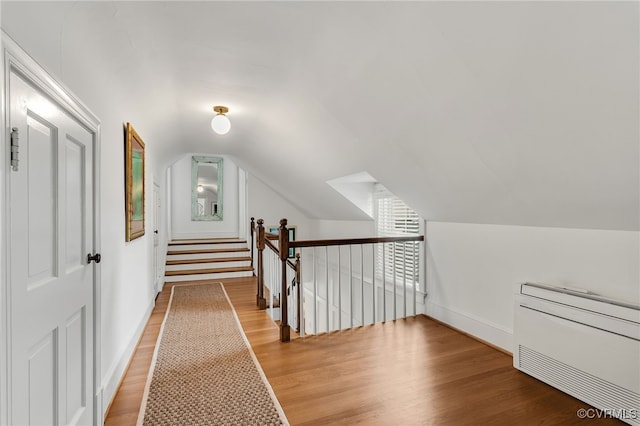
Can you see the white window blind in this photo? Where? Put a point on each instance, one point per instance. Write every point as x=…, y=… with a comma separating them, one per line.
x=399, y=261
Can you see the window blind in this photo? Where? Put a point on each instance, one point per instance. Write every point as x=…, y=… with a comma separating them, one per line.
x=394, y=218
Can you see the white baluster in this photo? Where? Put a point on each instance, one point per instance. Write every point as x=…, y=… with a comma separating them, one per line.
x=416, y=258
x=301, y=301
x=373, y=282
x=315, y=294
x=362, y=283
x=395, y=303
x=339, y=289
x=404, y=279
x=351, y=272
x=326, y=261
x=271, y=280
x=384, y=285
x=270, y=302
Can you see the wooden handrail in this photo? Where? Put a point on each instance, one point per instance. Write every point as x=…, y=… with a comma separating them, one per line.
x=352, y=241
x=269, y=236
x=273, y=248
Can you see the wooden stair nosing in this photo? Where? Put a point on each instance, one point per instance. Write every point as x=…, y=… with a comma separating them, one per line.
x=208, y=271
x=208, y=260
x=204, y=241
x=205, y=251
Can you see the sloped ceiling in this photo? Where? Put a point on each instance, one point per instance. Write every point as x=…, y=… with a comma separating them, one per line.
x=486, y=112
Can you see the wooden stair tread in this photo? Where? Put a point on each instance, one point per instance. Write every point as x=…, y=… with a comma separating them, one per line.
x=208, y=271
x=205, y=241
x=208, y=260
x=204, y=251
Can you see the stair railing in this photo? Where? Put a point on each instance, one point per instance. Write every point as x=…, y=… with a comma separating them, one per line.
x=341, y=275
x=260, y=245
x=274, y=272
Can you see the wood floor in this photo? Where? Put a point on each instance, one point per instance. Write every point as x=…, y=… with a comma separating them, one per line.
x=409, y=372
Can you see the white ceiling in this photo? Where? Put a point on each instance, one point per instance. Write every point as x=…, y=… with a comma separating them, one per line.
x=487, y=112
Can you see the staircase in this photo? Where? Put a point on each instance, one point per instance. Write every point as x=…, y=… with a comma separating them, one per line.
x=207, y=259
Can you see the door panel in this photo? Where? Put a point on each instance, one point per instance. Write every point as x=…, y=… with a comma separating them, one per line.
x=51, y=283
x=42, y=381
x=74, y=206
x=41, y=195
x=76, y=371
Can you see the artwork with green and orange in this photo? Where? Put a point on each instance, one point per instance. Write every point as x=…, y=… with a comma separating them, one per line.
x=137, y=189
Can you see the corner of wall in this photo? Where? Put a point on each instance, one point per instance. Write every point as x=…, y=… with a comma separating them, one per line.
x=494, y=334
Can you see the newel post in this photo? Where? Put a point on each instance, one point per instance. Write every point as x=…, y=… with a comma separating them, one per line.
x=252, y=227
x=260, y=300
x=283, y=246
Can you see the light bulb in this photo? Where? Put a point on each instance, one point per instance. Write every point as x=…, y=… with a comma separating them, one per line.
x=221, y=124
x=200, y=188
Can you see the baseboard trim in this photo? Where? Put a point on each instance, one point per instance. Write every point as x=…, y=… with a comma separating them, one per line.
x=116, y=373
x=485, y=331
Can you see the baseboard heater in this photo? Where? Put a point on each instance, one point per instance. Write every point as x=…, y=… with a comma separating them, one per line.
x=583, y=344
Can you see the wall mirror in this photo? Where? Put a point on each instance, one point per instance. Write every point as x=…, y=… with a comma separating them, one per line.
x=206, y=188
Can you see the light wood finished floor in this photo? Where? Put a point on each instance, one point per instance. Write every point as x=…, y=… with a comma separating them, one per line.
x=409, y=372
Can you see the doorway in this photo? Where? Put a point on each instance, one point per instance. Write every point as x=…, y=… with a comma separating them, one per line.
x=51, y=338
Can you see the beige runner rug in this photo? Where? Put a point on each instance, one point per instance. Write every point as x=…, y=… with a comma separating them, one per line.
x=203, y=370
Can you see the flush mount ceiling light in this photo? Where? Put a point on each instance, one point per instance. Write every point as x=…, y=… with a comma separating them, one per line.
x=200, y=188
x=220, y=123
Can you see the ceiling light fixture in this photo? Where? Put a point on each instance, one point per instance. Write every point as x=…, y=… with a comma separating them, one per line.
x=220, y=123
x=200, y=188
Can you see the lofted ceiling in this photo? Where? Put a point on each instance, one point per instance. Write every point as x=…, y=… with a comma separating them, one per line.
x=521, y=113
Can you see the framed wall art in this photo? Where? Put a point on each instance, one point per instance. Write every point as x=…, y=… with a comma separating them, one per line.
x=134, y=183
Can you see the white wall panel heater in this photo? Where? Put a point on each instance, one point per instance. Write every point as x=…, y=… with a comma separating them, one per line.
x=583, y=344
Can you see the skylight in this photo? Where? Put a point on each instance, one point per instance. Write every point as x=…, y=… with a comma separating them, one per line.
x=357, y=188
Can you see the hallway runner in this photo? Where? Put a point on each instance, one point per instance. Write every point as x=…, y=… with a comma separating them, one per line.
x=203, y=370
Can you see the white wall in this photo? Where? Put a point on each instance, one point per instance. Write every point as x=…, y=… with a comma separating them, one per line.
x=265, y=203
x=127, y=280
x=325, y=229
x=181, y=224
x=473, y=269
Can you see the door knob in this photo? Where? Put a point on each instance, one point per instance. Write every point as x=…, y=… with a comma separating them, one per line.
x=96, y=258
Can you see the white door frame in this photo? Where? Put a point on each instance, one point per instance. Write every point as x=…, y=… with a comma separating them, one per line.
x=157, y=246
x=14, y=58
x=243, y=205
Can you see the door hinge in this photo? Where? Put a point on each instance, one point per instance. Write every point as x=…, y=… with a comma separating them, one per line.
x=15, y=146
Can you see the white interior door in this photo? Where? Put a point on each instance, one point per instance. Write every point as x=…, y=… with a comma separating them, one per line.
x=157, y=252
x=51, y=285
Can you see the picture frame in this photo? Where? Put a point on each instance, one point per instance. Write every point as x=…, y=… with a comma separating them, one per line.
x=207, y=188
x=134, y=184
x=292, y=237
